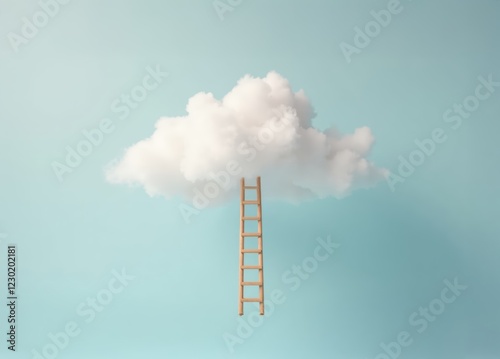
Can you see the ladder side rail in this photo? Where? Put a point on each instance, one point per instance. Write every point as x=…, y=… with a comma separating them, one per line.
x=261, y=258
x=242, y=243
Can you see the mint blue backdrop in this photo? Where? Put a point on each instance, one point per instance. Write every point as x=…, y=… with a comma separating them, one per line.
x=397, y=246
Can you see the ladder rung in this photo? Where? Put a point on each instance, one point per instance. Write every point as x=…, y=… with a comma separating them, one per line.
x=252, y=283
x=255, y=234
x=251, y=250
x=251, y=267
x=256, y=218
x=250, y=300
x=254, y=201
x=250, y=187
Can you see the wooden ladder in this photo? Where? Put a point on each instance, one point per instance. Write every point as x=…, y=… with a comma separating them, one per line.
x=257, y=250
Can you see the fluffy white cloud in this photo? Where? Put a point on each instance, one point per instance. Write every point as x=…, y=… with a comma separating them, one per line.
x=264, y=127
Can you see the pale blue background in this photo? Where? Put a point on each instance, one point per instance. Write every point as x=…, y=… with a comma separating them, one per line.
x=396, y=248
